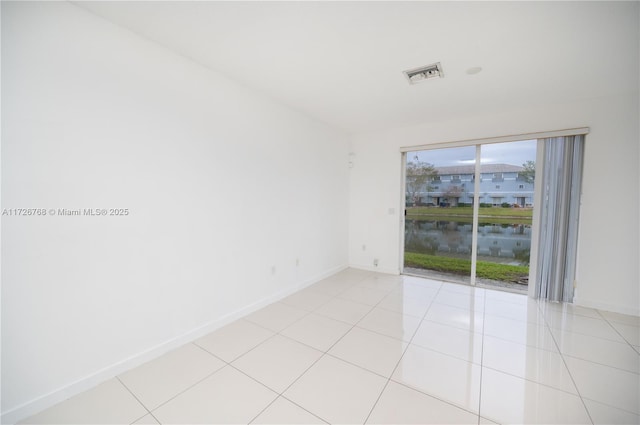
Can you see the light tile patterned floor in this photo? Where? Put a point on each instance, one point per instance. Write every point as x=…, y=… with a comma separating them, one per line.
x=361, y=347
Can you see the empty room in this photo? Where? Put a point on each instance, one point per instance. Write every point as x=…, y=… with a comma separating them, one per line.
x=320, y=212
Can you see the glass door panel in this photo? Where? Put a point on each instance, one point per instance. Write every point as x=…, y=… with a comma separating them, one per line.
x=507, y=174
x=439, y=213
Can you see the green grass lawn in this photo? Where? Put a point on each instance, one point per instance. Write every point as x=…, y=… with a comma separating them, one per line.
x=496, y=215
x=459, y=266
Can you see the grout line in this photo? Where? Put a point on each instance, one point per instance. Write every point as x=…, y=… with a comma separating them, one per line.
x=615, y=329
x=523, y=344
x=293, y=402
x=452, y=326
x=325, y=353
x=187, y=389
x=436, y=397
x=265, y=408
x=623, y=342
x=302, y=374
x=375, y=403
x=553, y=338
x=566, y=308
x=531, y=380
x=385, y=335
x=596, y=337
x=613, y=407
x=484, y=314
x=433, y=350
x=238, y=356
x=602, y=364
x=431, y=303
x=278, y=394
x=139, y=401
x=402, y=356
x=333, y=356
x=195, y=383
x=209, y=352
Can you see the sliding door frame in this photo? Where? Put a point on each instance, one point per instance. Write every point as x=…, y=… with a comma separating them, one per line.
x=537, y=191
x=535, y=224
x=403, y=207
x=476, y=213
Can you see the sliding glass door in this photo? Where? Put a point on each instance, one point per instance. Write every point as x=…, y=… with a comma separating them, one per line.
x=469, y=213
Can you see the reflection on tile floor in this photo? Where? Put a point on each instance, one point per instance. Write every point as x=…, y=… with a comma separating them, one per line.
x=361, y=347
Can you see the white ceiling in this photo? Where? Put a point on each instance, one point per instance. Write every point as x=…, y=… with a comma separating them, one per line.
x=342, y=62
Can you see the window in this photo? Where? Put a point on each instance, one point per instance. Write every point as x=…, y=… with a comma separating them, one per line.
x=497, y=186
x=520, y=186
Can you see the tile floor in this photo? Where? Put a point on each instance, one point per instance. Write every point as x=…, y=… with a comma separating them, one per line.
x=361, y=347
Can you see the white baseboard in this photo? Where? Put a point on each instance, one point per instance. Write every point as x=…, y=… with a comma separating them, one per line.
x=606, y=307
x=375, y=269
x=43, y=402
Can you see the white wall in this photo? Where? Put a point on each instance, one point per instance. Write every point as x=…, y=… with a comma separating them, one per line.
x=221, y=185
x=608, y=246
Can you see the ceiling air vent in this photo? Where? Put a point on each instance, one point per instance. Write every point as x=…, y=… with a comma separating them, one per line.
x=424, y=73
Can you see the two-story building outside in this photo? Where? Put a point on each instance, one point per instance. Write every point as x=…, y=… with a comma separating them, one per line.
x=454, y=186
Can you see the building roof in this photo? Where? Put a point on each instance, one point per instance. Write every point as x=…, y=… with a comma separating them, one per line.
x=484, y=168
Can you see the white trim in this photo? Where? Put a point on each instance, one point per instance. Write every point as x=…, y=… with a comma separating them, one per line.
x=535, y=222
x=403, y=208
x=605, y=306
x=501, y=139
x=374, y=269
x=476, y=214
x=48, y=400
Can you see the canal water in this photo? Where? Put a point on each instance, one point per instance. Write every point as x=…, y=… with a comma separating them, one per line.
x=498, y=243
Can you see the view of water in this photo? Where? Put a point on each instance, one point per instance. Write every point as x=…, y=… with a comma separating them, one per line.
x=443, y=184
x=499, y=243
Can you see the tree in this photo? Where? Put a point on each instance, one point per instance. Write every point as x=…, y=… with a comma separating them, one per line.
x=419, y=176
x=453, y=192
x=529, y=172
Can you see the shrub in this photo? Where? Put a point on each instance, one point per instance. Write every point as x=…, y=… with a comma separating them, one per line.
x=485, y=205
x=506, y=205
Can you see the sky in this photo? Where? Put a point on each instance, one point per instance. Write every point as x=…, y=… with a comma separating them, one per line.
x=514, y=153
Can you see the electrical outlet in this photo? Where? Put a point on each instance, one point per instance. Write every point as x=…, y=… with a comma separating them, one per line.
x=375, y=262
x=273, y=269
x=297, y=262
x=364, y=247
